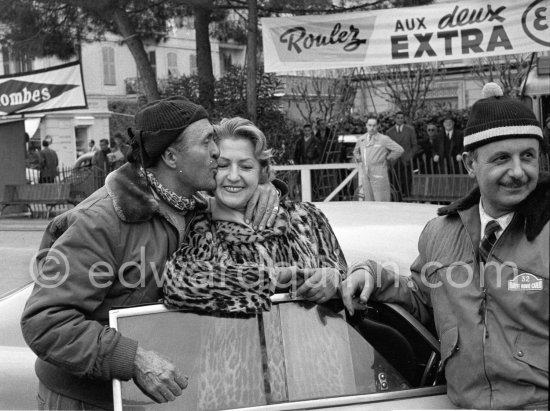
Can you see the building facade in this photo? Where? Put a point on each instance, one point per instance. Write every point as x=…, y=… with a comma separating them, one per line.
x=110, y=73
x=458, y=87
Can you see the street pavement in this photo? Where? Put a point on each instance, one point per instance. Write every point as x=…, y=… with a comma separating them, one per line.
x=19, y=241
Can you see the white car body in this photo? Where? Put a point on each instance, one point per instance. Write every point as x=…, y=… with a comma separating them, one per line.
x=384, y=231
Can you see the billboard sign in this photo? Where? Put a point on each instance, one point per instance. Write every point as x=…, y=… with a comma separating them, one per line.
x=437, y=32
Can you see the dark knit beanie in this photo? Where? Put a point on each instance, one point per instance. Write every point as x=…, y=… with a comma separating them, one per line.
x=159, y=123
x=495, y=117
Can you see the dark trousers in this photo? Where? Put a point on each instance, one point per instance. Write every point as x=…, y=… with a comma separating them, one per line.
x=44, y=180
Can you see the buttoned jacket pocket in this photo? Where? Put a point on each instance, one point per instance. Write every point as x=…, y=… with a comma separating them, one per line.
x=531, y=350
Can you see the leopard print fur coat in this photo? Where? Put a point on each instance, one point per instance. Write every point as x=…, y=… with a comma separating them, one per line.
x=228, y=267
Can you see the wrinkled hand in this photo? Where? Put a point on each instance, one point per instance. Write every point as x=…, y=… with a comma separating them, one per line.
x=264, y=205
x=360, y=281
x=436, y=158
x=319, y=284
x=157, y=377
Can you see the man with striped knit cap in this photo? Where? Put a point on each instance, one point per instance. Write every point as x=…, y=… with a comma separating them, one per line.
x=482, y=272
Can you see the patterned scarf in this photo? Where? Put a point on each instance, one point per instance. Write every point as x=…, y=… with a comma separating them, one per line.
x=180, y=203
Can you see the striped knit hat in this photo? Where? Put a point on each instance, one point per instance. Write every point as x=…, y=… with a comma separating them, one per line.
x=495, y=117
x=159, y=123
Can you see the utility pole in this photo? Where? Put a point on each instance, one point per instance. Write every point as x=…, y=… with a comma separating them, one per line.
x=251, y=68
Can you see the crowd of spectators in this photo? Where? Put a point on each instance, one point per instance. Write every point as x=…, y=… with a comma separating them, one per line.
x=439, y=145
x=430, y=146
x=110, y=155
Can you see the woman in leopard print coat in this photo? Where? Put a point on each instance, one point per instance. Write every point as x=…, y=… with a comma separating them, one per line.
x=225, y=265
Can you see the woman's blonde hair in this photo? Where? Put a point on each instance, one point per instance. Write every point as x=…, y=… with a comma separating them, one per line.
x=238, y=127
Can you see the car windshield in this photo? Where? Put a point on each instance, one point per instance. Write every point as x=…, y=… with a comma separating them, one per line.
x=297, y=351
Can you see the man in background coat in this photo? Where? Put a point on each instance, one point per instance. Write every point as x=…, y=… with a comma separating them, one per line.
x=48, y=162
x=375, y=151
x=448, y=146
x=308, y=148
x=405, y=136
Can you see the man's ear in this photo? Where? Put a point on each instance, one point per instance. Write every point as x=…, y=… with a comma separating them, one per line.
x=468, y=160
x=169, y=157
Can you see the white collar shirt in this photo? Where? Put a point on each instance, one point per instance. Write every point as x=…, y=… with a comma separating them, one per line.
x=503, y=221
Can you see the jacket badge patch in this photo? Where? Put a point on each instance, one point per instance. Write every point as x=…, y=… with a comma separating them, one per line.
x=525, y=282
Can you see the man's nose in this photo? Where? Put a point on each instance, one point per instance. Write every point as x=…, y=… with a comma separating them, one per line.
x=214, y=150
x=516, y=168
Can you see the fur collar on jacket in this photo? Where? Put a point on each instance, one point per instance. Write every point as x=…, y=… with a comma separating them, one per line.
x=535, y=209
x=132, y=197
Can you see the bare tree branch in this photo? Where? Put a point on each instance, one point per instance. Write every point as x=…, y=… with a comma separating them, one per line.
x=329, y=97
x=404, y=86
x=510, y=71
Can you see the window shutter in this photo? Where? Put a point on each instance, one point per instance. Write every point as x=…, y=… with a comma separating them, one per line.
x=109, y=74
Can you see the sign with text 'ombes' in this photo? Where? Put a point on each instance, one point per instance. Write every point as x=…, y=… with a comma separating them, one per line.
x=438, y=32
x=51, y=89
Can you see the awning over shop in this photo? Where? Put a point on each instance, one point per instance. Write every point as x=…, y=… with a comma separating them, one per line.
x=83, y=121
x=31, y=125
x=9, y=120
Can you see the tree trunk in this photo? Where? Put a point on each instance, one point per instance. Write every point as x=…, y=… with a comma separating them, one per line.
x=251, y=68
x=204, y=57
x=135, y=45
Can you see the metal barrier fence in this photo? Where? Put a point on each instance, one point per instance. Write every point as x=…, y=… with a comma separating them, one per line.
x=339, y=182
x=83, y=181
x=319, y=182
x=401, y=174
x=311, y=182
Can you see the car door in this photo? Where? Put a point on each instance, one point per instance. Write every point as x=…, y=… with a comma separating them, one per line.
x=299, y=355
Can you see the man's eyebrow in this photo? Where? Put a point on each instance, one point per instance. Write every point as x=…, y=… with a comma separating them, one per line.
x=529, y=150
x=499, y=153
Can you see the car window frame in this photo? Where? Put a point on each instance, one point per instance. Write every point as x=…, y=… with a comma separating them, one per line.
x=157, y=308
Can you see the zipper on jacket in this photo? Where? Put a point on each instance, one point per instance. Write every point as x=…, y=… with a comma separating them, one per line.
x=483, y=312
x=483, y=307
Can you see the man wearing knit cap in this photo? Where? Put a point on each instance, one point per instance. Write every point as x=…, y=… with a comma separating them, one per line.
x=110, y=251
x=482, y=274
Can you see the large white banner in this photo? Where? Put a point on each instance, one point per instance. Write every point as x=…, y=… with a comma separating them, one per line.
x=439, y=32
x=51, y=89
